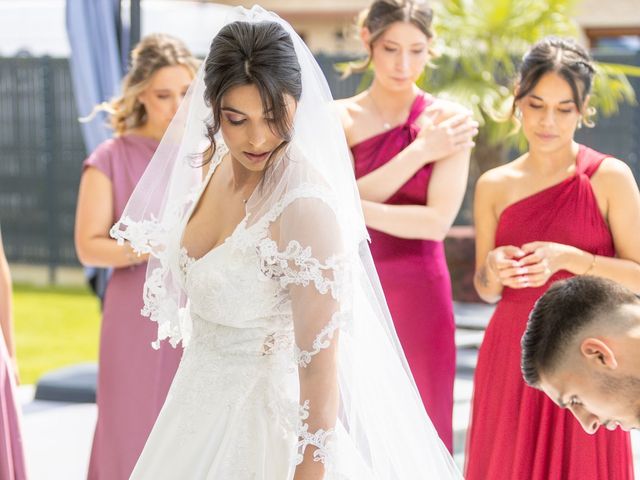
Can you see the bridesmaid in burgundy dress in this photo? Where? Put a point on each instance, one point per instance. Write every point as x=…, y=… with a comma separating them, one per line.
x=561, y=209
x=396, y=133
x=12, y=462
x=133, y=378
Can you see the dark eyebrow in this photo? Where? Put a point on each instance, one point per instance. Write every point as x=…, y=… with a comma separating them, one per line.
x=235, y=110
x=538, y=98
x=421, y=44
x=231, y=109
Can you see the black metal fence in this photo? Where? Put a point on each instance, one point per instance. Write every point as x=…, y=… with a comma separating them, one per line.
x=41, y=151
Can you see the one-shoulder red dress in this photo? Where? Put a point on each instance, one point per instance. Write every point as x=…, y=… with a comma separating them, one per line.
x=415, y=278
x=516, y=432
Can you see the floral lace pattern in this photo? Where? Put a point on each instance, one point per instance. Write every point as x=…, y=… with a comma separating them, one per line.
x=322, y=340
x=320, y=439
x=185, y=262
x=277, y=342
x=296, y=266
x=142, y=235
x=163, y=309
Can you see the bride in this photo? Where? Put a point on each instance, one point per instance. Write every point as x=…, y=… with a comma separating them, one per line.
x=260, y=268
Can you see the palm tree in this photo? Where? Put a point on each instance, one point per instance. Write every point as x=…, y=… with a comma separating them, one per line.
x=481, y=43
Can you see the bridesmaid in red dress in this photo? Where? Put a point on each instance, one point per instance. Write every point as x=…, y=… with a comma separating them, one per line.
x=561, y=209
x=411, y=157
x=133, y=378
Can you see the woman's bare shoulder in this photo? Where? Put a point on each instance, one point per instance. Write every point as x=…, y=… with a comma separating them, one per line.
x=502, y=176
x=350, y=109
x=448, y=108
x=351, y=112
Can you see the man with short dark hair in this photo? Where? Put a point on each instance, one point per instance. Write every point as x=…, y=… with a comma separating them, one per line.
x=582, y=348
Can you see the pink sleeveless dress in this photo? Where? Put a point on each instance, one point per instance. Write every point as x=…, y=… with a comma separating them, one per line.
x=133, y=378
x=516, y=432
x=12, y=462
x=415, y=279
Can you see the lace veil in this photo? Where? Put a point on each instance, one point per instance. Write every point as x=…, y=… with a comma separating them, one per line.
x=308, y=231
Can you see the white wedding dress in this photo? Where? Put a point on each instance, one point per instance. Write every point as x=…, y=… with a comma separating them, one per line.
x=233, y=408
x=289, y=348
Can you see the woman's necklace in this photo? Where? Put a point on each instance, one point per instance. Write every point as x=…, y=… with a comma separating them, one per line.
x=385, y=124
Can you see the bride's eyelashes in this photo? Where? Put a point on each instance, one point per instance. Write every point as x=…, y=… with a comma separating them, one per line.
x=235, y=120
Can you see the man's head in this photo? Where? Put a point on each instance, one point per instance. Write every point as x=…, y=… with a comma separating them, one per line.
x=582, y=348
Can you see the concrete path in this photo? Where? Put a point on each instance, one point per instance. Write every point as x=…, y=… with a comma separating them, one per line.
x=58, y=435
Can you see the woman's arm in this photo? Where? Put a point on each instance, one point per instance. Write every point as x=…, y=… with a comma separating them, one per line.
x=495, y=267
x=94, y=218
x=447, y=131
x=431, y=221
x=308, y=261
x=313, y=312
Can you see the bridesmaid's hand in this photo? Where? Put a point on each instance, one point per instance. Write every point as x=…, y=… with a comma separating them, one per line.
x=542, y=260
x=440, y=138
x=504, y=265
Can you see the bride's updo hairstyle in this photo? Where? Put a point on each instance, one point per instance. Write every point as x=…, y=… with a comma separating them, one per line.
x=260, y=54
x=384, y=13
x=565, y=58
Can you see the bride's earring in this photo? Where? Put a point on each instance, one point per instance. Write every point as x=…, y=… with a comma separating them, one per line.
x=518, y=113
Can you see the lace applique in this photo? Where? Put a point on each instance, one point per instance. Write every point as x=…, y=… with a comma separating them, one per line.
x=296, y=266
x=174, y=322
x=322, y=340
x=185, y=262
x=321, y=439
x=277, y=342
x=141, y=235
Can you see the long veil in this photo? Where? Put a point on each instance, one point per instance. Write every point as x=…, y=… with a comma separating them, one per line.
x=307, y=213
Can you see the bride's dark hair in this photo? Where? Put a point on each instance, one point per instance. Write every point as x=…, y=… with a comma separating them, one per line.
x=260, y=54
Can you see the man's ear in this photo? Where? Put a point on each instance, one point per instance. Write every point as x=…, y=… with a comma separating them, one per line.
x=597, y=353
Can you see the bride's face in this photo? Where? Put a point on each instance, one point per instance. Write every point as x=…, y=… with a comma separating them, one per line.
x=247, y=129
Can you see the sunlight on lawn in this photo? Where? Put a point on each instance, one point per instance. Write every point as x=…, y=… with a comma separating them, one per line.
x=54, y=327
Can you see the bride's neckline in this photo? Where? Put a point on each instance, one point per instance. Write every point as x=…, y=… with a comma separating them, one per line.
x=221, y=152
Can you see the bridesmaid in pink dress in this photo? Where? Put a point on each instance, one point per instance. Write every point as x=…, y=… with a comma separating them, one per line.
x=561, y=209
x=12, y=463
x=411, y=157
x=133, y=378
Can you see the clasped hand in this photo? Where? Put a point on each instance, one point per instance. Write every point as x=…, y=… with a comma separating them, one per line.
x=528, y=266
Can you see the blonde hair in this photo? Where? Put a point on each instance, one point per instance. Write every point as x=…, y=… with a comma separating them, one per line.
x=152, y=53
x=382, y=14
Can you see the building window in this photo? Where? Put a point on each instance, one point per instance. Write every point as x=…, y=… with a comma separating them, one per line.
x=619, y=39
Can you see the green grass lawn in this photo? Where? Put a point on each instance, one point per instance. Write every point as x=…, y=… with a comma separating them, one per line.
x=54, y=327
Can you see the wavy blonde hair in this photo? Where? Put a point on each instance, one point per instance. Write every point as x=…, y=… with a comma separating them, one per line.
x=152, y=53
x=382, y=14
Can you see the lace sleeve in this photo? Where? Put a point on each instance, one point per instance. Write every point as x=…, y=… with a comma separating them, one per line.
x=305, y=253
